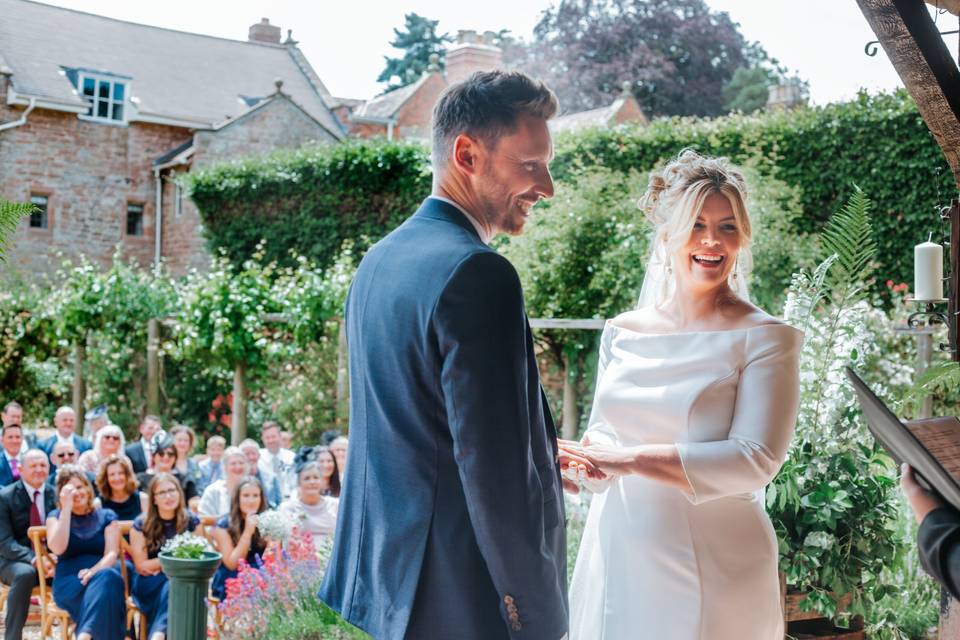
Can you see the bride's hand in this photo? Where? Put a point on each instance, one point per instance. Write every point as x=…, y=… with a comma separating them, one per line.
x=610, y=459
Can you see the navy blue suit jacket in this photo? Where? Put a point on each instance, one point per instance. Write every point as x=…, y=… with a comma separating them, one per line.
x=79, y=444
x=451, y=521
x=6, y=473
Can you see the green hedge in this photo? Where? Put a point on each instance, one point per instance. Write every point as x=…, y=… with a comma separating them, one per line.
x=879, y=143
x=310, y=200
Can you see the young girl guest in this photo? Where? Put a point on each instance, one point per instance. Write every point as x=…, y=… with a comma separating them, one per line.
x=236, y=534
x=166, y=517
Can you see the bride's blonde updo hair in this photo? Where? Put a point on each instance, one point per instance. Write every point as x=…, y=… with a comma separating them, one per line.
x=675, y=196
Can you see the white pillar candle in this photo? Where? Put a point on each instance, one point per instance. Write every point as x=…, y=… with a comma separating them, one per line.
x=928, y=271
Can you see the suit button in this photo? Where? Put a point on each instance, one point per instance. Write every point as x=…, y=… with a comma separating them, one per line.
x=516, y=626
x=512, y=608
x=508, y=599
x=514, y=617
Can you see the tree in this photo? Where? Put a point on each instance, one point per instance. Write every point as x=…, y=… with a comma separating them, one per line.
x=748, y=89
x=419, y=40
x=677, y=53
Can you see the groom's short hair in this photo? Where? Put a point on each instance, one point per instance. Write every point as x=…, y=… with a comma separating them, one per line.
x=485, y=106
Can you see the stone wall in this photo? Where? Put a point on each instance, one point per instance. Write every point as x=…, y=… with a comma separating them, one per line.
x=89, y=172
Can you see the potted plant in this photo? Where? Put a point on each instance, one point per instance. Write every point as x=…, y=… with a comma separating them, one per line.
x=189, y=562
x=834, y=503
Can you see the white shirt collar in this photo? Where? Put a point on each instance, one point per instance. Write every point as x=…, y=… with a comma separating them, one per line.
x=62, y=439
x=30, y=489
x=484, y=236
x=10, y=457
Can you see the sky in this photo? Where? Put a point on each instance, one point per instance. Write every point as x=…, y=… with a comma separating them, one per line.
x=821, y=40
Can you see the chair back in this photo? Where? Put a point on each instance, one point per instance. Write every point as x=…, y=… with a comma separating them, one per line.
x=125, y=526
x=38, y=536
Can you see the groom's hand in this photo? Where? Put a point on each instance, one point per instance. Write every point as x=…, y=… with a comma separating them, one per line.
x=573, y=464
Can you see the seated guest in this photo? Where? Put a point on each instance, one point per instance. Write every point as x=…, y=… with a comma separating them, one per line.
x=270, y=482
x=63, y=453
x=331, y=473
x=211, y=468
x=22, y=505
x=166, y=516
x=339, y=448
x=184, y=439
x=12, y=413
x=65, y=420
x=12, y=440
x=164, y=457
x=236, y=534
x=275, y=461
x=939, y=534
x=87, y=583
x=94, y=420
x=216, y=497
x=314, y=513
x=139, y=452
x=119, y=489
x=108, y=441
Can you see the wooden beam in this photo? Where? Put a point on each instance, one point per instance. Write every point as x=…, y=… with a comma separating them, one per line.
x=953, y=309
x=923, y=62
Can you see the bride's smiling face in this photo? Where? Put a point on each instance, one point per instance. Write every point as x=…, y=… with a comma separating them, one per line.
x=706, y=260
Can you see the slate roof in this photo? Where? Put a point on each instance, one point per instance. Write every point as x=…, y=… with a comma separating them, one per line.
x=387, y=105
x=173, y=74
x=599, y=117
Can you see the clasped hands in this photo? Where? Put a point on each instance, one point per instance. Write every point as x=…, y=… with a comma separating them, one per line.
x=585, y=460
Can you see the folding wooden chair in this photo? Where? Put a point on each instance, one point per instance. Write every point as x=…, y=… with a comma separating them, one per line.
x=49, y=611
x=133, y=611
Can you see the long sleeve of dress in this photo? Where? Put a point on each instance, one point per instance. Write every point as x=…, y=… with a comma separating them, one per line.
x=598, y=431
x=763, y=423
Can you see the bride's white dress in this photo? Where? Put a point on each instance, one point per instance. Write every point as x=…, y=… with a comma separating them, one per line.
x=658, y=563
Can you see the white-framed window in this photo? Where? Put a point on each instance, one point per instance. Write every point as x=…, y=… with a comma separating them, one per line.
x=107, y=96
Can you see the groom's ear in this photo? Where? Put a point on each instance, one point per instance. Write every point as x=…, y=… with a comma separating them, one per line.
x=466, y=154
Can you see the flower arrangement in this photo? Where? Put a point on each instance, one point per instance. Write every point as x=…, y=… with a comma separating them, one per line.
x=275, y=526
x=186, y=546
x=278, y=600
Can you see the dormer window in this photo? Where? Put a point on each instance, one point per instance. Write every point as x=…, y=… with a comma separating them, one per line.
x=106, y=95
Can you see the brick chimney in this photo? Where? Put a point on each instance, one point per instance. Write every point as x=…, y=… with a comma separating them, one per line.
x=472, y=52
x=263, y=31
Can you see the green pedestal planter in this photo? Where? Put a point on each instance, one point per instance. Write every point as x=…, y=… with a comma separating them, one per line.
x=189, y=583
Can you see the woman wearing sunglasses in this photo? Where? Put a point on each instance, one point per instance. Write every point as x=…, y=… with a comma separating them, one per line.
x=108, y=441
x=164, y=460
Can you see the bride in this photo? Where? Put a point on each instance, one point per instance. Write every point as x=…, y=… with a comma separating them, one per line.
x=696, y=402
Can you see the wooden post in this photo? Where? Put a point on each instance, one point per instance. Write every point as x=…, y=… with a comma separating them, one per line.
x=953, y=286
x=153, y=366
x=238, y=421
x=343, y=379
x=569, y=418
x=79, y=386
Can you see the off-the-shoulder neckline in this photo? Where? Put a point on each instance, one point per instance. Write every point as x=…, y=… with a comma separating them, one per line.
x=694, y=333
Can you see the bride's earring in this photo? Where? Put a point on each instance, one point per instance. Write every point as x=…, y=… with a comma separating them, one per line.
x=736, y=267
x=670, y=266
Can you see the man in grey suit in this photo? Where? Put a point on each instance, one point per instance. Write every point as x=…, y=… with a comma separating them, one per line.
x=451, y=521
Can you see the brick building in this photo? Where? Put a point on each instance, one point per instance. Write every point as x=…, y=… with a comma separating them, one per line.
x=622, y=110
x=404, y=113
x=99, y=116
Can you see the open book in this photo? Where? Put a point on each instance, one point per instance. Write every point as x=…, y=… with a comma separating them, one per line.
x=931, y=446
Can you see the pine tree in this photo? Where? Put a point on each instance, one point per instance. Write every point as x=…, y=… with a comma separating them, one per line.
x=418, y=40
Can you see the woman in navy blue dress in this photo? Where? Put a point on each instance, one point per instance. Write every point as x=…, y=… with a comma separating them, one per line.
x=166, y=517
x=236, y=534
x=87, y=583
x=119, y=489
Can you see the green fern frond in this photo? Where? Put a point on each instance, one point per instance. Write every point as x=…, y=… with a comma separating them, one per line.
x=10, y=215
x=849, y=236
x=943, y=376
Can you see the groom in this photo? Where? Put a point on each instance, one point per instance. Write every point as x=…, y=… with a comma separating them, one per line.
x=451, y=522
